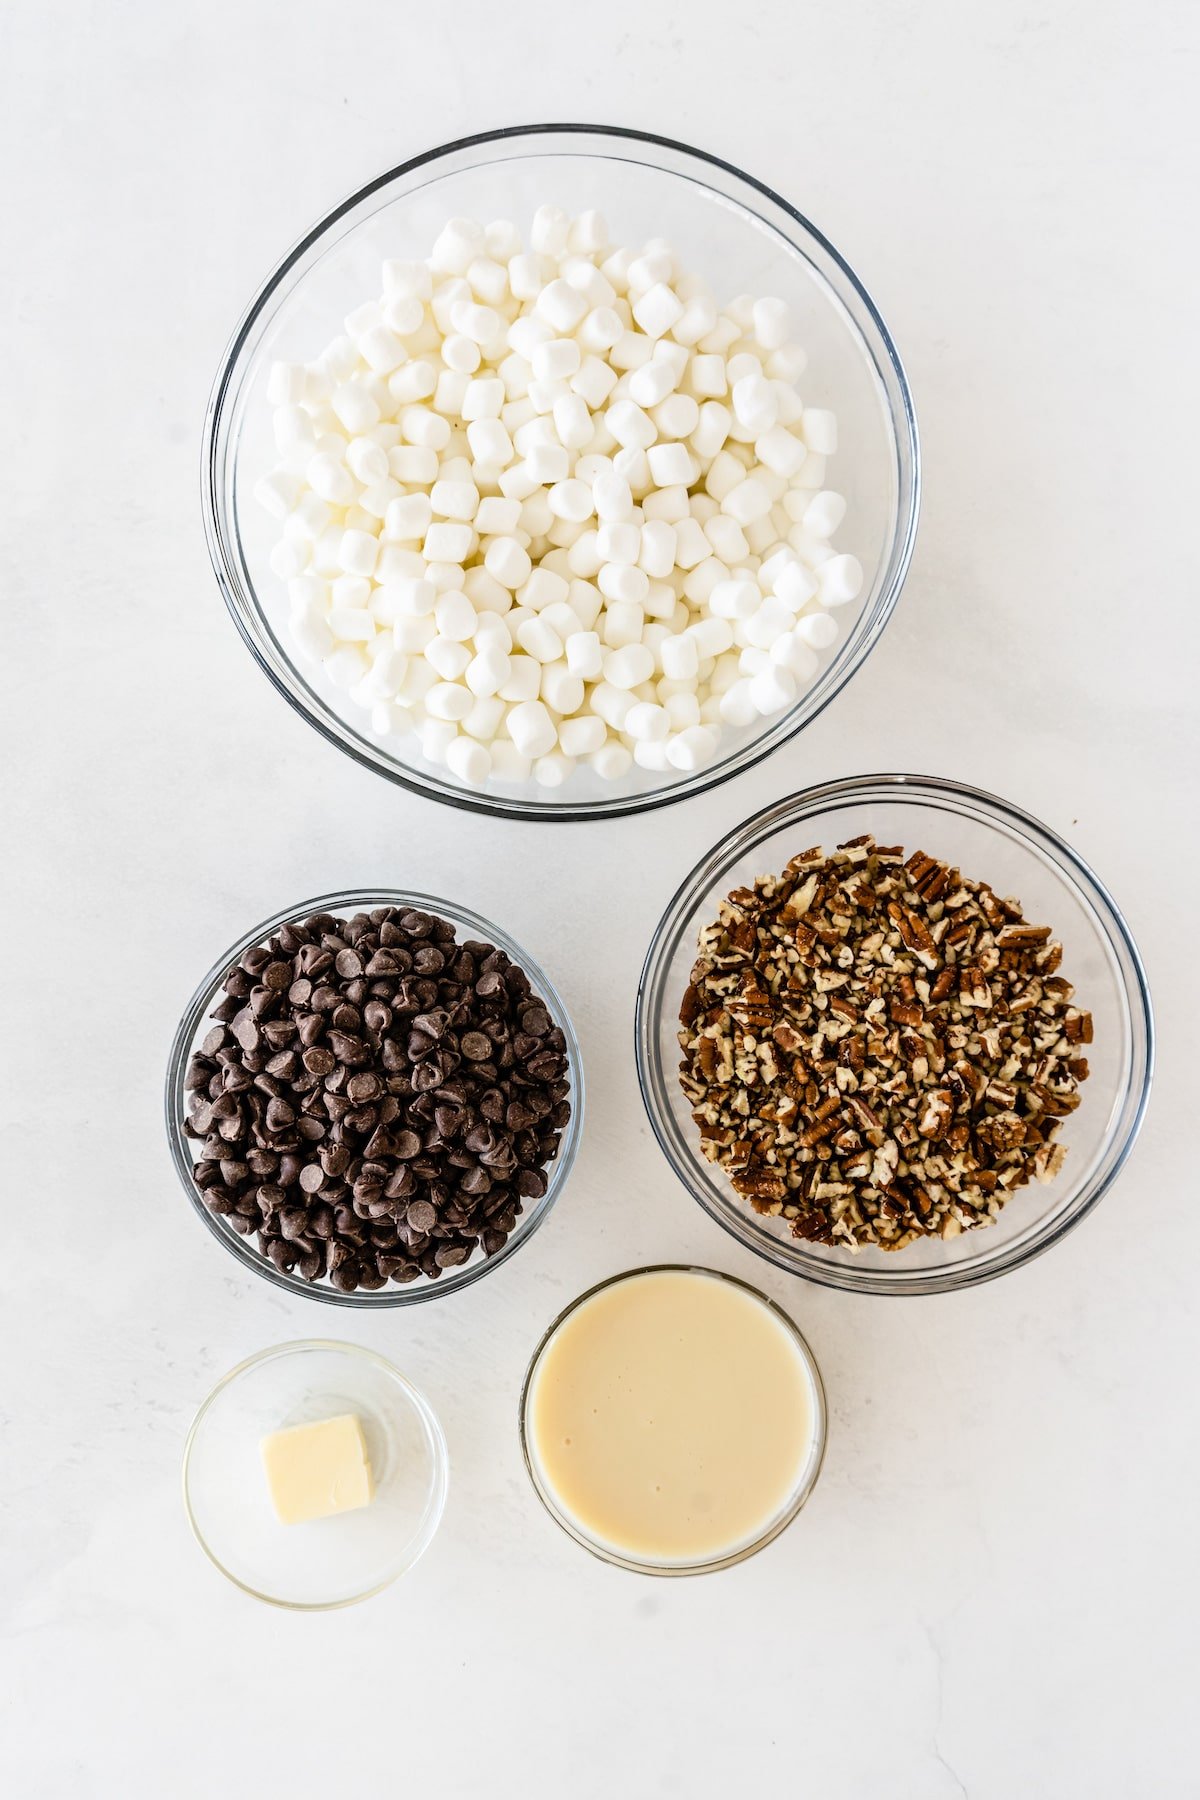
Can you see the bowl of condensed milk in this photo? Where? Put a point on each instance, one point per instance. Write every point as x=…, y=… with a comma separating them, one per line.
x=673, y=1420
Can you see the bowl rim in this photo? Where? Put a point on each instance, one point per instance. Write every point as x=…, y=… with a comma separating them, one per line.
x=932, y=790
x=809, y=1475
x=904, y=429
x=435, y=1504
x=475, y=1268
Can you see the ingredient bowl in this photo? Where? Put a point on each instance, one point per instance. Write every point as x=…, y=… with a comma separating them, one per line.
x=991, y=841
x=325, y=1562
x=652, y=1464
x=196, y=1022
x=726, y=227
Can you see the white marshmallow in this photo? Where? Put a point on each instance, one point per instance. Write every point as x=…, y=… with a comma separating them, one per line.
x=657, y=310
x=840, y=580
x=507, y=561
x=692, y=748
x=648, y=722
x=469, y=760
x=448, y=657
x=560, y=690
x=772, y=690
x=672, y=465
x=487, y=671
x=532, y=729
x=818, y=428
x=628, y=666
x=585, y=656
x=748, y=501
x=583, y=736
x=817, y=630
x=612, y=762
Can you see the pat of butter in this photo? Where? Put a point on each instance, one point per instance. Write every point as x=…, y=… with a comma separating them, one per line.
x=316, y=1470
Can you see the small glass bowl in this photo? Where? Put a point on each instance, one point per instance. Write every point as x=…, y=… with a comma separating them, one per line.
x=992, y=841
x=805, y=1481
x=728, y=228
x=327, y=1562
x=196, y=1022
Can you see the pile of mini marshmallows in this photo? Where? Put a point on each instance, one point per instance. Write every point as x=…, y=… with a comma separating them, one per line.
x=554, y=507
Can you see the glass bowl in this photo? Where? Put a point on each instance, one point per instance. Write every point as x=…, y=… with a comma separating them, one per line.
x=992, y=841
x=326, y=1562
x=195, y=1022
x=729, y=228
x=806, y=1478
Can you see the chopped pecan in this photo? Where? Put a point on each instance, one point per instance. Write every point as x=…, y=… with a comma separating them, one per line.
x=878, y=1050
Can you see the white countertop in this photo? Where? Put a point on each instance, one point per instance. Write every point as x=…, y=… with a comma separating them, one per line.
x=988, y=1594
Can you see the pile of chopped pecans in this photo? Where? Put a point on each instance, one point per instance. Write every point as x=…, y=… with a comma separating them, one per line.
x=878, y=1050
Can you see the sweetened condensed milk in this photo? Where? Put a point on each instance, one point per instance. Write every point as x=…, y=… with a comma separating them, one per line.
x=672, y=1416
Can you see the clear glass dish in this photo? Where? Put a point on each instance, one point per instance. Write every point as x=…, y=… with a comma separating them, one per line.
x=195, y=1022
x=995, y=842
x=806, y=1478
x=728, y=227
x=326, y=1562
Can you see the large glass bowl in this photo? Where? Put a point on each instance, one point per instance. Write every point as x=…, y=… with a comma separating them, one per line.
x=727, y=227
x=991, y=841
x=196, y=1022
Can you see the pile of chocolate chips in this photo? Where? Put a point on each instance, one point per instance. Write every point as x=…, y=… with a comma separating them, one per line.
x=375, y=1099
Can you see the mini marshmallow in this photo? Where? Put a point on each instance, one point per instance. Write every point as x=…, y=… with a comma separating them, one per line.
x=531, y=728
x=455, y=616
x=680, y=658
x=656, y=549
x=449, y=658
x=487, y=671
x=623, y=624
x=657, y=310
x=790, y=652
x=539, y=640
x=840, y=580
x=448, y=700
x=523, y=680
x=507, y=561
x=648, y=722
x=561, y=307
x=497, y=517
x=454, y=499
x=794, y=586
x=818, y=428
x=817, y=630
x=572, y=421
x=671, y=465
x=561, y=691
x=631, y=427
x=628, y=666
x=583, y=736
x=618, y=541
x=571, y=500
x=650, y=385
x=692, y=748
x=555, y=360
x=448, y=543
x=623, y=583
x=748, y=501
x=469, y=760
x=772, y=690
x=585, y=656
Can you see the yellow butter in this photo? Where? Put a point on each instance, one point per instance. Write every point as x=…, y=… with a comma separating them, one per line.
x=316, y=1470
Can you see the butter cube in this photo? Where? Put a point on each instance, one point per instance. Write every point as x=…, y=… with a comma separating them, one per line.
x=316, y=1470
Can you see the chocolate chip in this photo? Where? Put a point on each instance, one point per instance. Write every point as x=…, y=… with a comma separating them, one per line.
x=422, y=1216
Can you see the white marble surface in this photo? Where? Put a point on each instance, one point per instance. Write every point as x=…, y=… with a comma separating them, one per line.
x=989, y=1594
